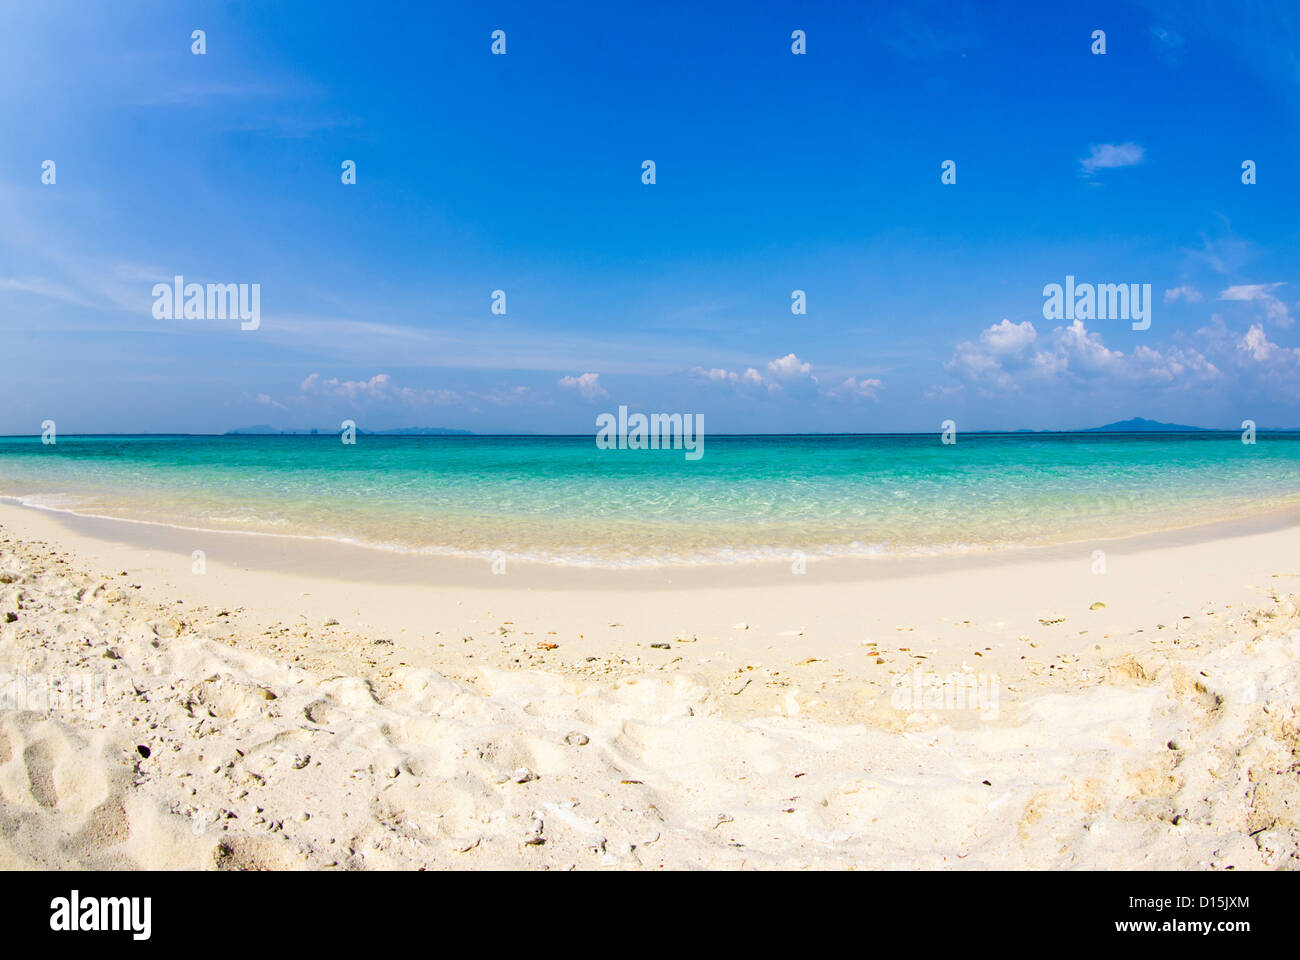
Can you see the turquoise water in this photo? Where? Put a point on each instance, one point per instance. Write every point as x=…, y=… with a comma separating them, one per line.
x=560, y=499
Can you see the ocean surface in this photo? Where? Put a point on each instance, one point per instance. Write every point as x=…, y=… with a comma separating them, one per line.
x=562, y=500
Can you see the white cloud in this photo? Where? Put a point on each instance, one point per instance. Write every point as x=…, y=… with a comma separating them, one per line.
x=943, y=391
x=1007, y=338
x=788, y=367
x=717, y=374
x=508, y=396
x=1173, y=364
x=373, y=388
x=797, y=375
x=1010, y=357
x=1107, y=156
x=864, y=388
x=1257, y=344
x=1261, y=293
x=1083, y=350
x=972, y=362
x=415, y=397
x=1003, y=347
x=377, y=388
x=588, y=384
x=1188, y=294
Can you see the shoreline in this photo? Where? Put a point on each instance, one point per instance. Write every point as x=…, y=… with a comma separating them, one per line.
x=322, y=555
x=1026, y=610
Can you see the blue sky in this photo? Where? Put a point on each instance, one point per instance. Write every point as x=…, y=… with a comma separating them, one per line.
x=774, y=172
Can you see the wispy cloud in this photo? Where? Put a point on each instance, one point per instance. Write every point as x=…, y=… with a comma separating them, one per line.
x=198, y=94
x=790, y=371
x=380, y=387
x=927, y=30
x=1167, y=43
x=1108, y=156
x=44, y=289
x=864, y=389
x=1188, y=294
x=1262, y=293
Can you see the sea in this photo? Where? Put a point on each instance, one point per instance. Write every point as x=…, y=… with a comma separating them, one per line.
x=562, y=500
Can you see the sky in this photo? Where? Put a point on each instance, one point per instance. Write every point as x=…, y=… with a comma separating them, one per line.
x=523, y=173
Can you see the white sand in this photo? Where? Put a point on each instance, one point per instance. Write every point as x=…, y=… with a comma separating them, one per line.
x=434, y=726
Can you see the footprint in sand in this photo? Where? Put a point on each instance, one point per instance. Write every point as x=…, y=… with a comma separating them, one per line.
x=38, y=758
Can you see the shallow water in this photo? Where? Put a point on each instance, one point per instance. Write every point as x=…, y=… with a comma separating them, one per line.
x=560, y=499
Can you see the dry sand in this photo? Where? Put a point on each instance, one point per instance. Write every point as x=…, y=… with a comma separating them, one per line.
x=312, y=705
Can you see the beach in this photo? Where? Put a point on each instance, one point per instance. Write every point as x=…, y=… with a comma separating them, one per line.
x=294, y=703
x=516, y=440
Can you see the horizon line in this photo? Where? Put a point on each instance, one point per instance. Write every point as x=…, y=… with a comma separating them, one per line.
x=467, y=435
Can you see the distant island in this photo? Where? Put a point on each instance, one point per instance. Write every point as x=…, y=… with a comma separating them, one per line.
x=1139, y=425
x=263, y=429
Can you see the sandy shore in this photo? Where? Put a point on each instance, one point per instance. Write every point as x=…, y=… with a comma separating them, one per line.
x=305, y=704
